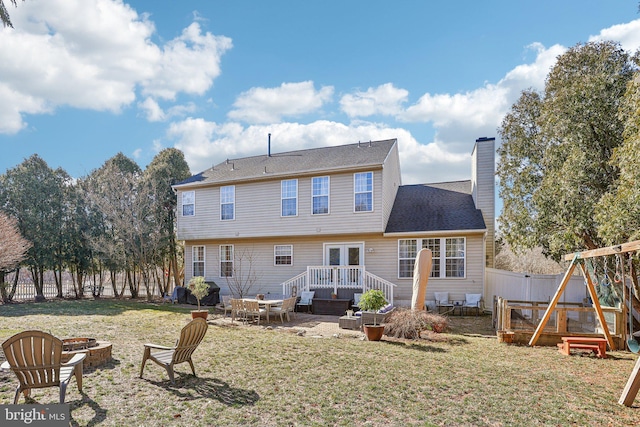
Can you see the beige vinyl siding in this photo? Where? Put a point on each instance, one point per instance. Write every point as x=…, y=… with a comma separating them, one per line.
x=483, y=190
x=381, y=261
x=258, y=211
x=391, y=180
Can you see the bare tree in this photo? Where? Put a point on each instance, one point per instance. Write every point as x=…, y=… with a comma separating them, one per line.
x=243, y=275
x=13, y=249
x=4, y=14
x=526, y=261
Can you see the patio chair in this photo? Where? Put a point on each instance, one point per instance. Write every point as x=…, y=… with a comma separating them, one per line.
x=442, y=301
x=472, y=302
x=356, y=301
x=36, y=359
x=225, y=305
x=288, y=306
x=252, y=310
x=306, y=298
x=190, y=337
x=237, y=309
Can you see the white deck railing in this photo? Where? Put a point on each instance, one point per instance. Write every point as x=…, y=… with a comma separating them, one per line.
x=338, y=277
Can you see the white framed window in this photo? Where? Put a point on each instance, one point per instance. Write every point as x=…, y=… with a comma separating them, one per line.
x=449, y=256
x=188, y=203
x=363, y=192
x=407, y=250
x=434, y=245
x=320, y=195
x=454, y=257
x=227, y=203
x=226, y=260
x=197, y=255
x=289, y=197
x=283, y=255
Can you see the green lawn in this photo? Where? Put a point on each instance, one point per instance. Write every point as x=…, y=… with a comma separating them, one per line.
x=258, y=377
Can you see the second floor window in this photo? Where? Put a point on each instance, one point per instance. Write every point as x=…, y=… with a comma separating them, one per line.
x=363, y=191
x=320, y=196
x=227, y=202
x=289, y=195
x=189, y=203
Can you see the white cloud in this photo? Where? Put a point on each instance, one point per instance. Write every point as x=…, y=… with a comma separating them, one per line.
x=627, y=34
x=207, y=143
x=152, y=110
x=94, y=54
x=154, y=113
x=267, y=105
x=384, y=99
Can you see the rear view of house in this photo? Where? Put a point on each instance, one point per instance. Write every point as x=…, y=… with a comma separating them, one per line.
x=336, y=219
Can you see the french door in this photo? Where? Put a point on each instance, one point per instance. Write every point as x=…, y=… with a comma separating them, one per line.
x=344, y=255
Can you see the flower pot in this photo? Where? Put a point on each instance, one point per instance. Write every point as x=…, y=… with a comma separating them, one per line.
x=203, y=314
x=373, y=333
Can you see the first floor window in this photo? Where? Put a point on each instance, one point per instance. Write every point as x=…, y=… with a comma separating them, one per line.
x=198, y=261
x=189, y=203
x=407, y=250
x=448, y=256
x=283, y=254
x=226, y=260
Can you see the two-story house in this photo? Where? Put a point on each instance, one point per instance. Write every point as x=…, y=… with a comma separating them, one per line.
x=336, y=219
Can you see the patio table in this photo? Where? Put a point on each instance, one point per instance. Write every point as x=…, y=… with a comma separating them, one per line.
x=266, y=303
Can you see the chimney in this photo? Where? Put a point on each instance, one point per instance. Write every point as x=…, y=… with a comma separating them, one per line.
x=269, y=147
x=483, y=189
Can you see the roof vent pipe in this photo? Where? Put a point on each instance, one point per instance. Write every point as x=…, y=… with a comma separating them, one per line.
x=269, y=147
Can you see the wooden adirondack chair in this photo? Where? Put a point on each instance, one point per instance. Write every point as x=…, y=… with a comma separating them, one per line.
x=36, y=359
x=190, y=337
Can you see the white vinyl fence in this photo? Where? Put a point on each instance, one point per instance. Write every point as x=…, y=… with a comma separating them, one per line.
x=531, y=287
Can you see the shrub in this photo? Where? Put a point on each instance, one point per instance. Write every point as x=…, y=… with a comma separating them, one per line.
x=199, y=288
x=407, y=323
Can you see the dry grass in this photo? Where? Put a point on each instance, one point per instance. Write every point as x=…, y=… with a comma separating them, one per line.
x=256, y=376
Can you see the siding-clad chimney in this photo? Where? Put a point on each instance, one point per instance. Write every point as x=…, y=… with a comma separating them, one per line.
x=483, y=189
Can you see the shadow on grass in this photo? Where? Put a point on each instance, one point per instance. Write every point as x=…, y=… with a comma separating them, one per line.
x=208, y=388
x=100, y=414
x=86, y=307
x=416, y=346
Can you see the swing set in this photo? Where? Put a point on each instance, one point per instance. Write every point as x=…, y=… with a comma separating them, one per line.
x=607, y=293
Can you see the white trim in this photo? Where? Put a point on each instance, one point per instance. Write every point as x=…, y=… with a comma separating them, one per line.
x=220, y=260
x=233, y=202
x=275, y=264
x=363, y=192
x=288, y=198
x=204, y=260
x=328, y=195
x=193, y=202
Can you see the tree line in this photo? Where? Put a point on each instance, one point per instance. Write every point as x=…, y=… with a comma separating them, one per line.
x=118, y=221
x=569, y=162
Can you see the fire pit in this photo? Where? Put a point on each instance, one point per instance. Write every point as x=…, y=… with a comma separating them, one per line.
x=71, y=344
x=98, y=352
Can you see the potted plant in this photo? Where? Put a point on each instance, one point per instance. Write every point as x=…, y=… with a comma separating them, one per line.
x=373, y=300
x=199, y=289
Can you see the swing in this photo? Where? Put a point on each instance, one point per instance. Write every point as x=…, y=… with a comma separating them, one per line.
x=632, y=343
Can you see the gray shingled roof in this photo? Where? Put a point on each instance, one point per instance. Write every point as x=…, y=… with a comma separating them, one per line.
x=445, y=206
x=325, y=159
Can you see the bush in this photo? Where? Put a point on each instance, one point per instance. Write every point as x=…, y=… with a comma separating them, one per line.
x=407, y=323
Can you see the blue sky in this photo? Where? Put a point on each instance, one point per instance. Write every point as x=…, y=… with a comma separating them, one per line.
x=81, y=80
